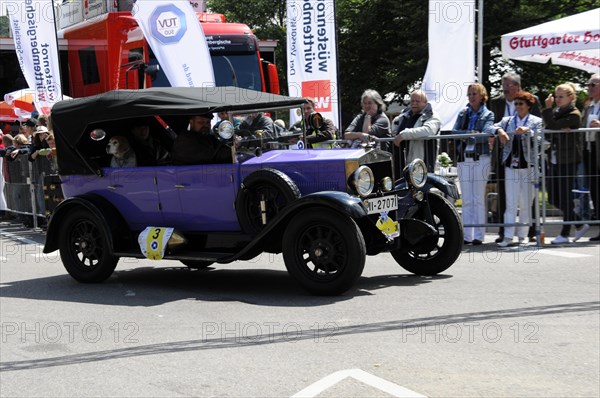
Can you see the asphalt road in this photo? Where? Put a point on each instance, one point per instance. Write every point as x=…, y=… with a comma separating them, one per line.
x=514, y=322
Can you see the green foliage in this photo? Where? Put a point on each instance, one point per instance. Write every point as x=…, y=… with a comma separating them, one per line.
x=4, y=26
x=382, y=44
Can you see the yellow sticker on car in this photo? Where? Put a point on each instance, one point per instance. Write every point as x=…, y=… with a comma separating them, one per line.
x=388, y=226
x=153, y=241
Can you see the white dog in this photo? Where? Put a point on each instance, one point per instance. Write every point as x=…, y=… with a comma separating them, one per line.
x=123, y=155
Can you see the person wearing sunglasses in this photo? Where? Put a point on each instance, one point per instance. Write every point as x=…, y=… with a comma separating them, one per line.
x=518, y=134
x=566, y=154
x=591, y=119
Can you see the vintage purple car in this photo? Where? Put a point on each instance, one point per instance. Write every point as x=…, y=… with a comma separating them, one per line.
x=325, y=209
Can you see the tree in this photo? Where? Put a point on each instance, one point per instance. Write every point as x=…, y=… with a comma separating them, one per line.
x=4, y=26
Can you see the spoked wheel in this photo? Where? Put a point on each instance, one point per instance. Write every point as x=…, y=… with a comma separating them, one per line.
x=324, y=251
x=84, y=248
x=264, y=193
x=196, y=264
x=436, y=253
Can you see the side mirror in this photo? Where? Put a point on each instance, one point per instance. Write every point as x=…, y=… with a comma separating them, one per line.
x=97, y=134
x=150, y=70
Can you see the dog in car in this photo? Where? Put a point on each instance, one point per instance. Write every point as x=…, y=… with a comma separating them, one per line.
x=121, y=151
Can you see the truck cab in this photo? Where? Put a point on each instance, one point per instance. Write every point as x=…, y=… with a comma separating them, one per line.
x=110, y=52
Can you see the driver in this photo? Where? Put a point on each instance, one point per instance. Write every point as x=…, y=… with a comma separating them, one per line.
x=198, y=146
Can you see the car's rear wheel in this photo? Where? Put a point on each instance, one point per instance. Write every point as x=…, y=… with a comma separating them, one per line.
x=264, y=193
x=324, y=251
x=438, y=252
x=84, y=248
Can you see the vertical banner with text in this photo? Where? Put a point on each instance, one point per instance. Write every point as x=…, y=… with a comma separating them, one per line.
x=451, y=66
x=175, y=35
x=32, y=25
x=312, y=55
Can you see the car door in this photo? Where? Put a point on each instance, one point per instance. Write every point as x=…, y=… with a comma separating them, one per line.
x=133, y=190
x=200, y=197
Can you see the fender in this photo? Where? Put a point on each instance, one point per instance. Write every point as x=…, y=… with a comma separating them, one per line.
x=338, y=201
x=99, y=207
x=434, y=183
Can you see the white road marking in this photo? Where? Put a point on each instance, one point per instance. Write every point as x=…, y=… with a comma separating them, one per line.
x=376, y=382
x=564, y=254
x=544, y=250
x=18, y=238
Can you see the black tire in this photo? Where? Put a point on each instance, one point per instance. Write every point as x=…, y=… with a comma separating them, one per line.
x=84, y=248
x=277, y=189
x=324, y=251
x=437, y=253
x=196, y=264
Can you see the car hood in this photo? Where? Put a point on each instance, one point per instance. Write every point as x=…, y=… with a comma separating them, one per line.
x=305, y=155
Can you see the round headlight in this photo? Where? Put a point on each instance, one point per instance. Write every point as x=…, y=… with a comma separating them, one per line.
x=387, y=184
x=364, y=181
x=417, y=173
x=225, y=129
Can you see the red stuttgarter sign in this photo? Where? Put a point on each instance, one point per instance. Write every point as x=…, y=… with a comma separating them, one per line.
x=544, y=42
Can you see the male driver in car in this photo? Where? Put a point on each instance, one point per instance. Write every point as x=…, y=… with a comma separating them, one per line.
x=198, y=146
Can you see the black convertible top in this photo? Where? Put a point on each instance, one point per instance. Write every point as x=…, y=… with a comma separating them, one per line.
x=71, y=119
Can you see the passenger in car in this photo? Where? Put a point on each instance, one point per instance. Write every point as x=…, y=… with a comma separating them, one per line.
x=255, y=122
x=198, y=146
x=148, y=149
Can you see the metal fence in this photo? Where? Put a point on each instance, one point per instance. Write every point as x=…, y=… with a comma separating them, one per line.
x=562, y=191
x=24, y=186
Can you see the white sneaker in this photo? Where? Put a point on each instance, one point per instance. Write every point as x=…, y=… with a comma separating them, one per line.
x=505, y=242
x=523, y=241
x=580, y=232
x=560, y=239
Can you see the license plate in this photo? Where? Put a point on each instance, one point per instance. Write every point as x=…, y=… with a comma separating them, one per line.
x=382, y=204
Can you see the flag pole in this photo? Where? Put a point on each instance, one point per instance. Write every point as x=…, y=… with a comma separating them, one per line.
x=480, y=42
x=58, y=51
x=337, y=69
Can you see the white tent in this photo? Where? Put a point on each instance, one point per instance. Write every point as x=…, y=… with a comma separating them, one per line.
x=572, y=41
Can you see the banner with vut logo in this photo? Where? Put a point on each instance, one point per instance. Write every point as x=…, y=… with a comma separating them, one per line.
x=32, y=25
x=176, y=38
x=311, y=50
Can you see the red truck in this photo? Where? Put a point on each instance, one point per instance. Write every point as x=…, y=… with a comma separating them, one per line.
x=109, y=52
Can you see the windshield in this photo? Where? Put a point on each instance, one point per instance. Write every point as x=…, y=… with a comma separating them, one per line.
x=240, y=70
x=237, y=70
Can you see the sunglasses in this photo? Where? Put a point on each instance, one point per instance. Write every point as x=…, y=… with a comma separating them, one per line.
x=593, y=84
x=520, y=103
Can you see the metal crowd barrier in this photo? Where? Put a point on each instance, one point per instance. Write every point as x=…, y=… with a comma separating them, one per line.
x=555, y=186
x=24, y=186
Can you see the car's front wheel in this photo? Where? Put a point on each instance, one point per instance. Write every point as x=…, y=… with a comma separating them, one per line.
x=436, y=253
x=324, y=251
x=84, y=248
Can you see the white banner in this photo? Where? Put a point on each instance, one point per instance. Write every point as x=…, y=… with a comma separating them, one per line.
x=176, y=37
x=572, y=41
x=311, y=50
x=32, y=25
x=451, y=66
